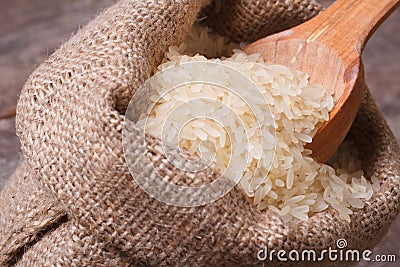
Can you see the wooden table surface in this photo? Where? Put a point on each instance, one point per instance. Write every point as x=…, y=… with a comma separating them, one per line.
x=31, y=30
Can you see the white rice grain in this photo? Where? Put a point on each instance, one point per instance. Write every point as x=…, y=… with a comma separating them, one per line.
x=296, y=186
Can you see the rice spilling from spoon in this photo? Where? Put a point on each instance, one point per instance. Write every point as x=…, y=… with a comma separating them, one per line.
x=267, y=142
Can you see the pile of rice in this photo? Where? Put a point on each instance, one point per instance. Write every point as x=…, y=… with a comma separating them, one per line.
x=277, y=172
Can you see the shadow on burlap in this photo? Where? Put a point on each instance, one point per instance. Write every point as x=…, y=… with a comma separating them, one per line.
x=72, y=201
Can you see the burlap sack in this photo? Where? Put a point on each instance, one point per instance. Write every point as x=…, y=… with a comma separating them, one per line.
x=72, y=201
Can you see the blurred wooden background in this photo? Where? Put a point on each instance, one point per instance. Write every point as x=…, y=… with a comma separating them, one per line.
x=31, y=30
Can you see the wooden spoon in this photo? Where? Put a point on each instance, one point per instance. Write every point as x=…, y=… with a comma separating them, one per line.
x=328, y=49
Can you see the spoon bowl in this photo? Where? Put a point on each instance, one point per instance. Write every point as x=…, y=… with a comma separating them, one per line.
x=328, y=48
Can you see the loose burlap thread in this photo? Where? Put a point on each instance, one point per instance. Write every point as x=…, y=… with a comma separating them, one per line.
x=72, y=201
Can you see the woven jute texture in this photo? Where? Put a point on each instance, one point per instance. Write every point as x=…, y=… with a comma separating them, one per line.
x=72, y=200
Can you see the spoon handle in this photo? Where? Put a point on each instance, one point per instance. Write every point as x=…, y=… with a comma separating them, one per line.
x=349, y=23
